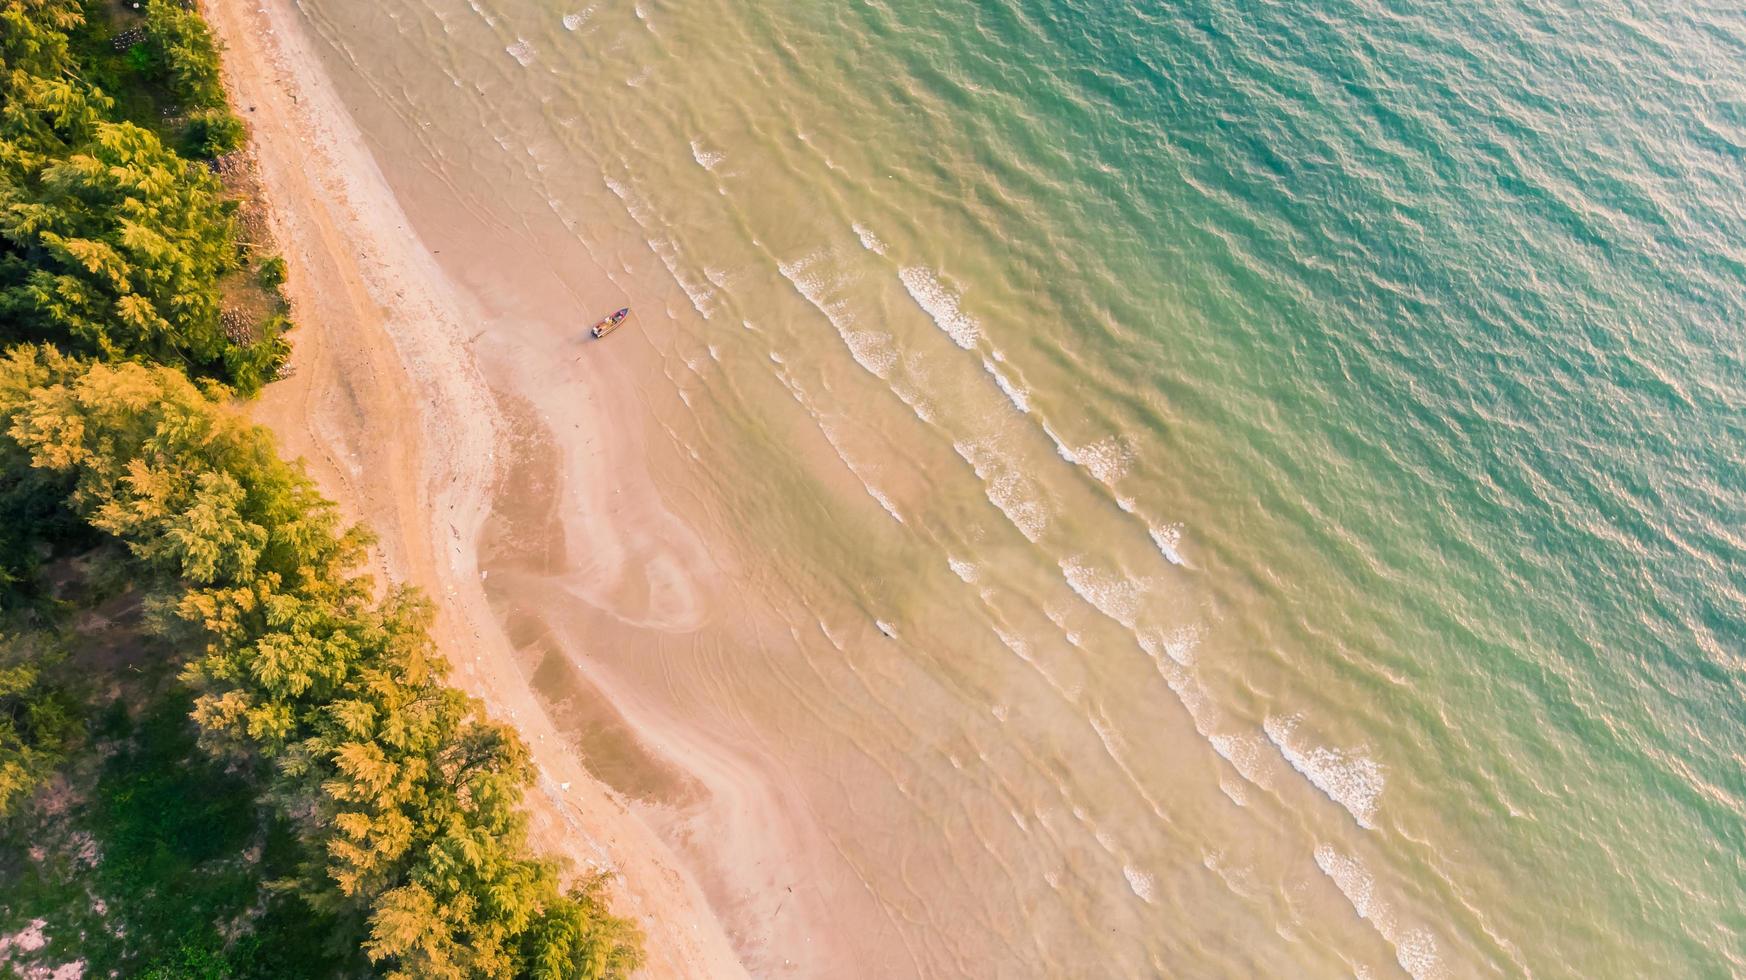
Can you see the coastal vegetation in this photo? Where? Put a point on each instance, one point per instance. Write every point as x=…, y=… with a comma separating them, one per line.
x=223, y=750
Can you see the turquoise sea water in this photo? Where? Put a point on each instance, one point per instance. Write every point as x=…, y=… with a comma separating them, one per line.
x=1341, y=406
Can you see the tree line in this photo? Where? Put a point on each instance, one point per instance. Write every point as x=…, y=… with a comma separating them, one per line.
x=117, y=430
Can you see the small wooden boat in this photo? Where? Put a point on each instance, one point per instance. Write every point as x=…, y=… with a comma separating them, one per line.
x=611, y=323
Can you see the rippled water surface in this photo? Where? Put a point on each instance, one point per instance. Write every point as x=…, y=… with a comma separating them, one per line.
x=1213, y=488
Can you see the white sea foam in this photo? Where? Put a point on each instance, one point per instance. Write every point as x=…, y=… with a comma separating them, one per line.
x=521, y=51
x=1244, y=753
x=962, y=568
x=1111, y=739
x=1351, y=877
x=1143, y=884
x=632, y=203
x=699, y=294
x=490, y=20
x=869, y=241
x=1349, y=778
x=815, y=287
x=1177, y=645
x=1016, y=644
x=1114, y=596
x=707, y=159
x=576, y=20
x=1106, y=459
x=1234, y=791
x=1007, y=489
x=940, y=303
x=1180, y=644
x=1416, y=952
x=1018, y=396
x=1061, y=447
x=1415, y=949
x=872, y=350
x=1011, y=493
x=826, y=630
x=884, y=501
x=1168, y=538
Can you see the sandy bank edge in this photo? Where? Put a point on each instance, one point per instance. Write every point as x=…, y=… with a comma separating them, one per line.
x=389, y=409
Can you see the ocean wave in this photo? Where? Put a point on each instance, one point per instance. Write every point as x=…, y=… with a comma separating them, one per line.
x=1018, y=396
x=1414, y=949
x=1350, y=779
x=878, y=495
x=1233, y=791
x=940, y=303
x=707, y=159
x=1107, y=459
x=487, y=18
x=700, y=295
x=869, y=241
x=1143, y=883
x=1245, y=753
x=1114, y=596
x=1008, y=489
x=521, y=51
x=1017, y=644
x=814, y=285
x=1178, y=644
x=872, y=350
x=1168, y=538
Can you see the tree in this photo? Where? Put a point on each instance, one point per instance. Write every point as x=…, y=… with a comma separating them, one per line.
x=409, y=796
x=117, y=248
x=183, y=54
x=38, y=721
x=33, y=35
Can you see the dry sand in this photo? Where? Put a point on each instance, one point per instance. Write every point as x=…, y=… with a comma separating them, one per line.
x=390, y=410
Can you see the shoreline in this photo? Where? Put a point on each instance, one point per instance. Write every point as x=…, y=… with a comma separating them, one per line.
x=393, y=417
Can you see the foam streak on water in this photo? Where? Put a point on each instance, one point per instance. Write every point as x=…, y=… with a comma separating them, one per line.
x=1349, y=778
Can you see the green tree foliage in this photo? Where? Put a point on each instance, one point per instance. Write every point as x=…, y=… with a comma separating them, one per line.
x=213, y=133
x=272, y=274
x=110, y=243
x=404, y=801
x=116, y=247
x=33, y=35
x=409, y=796
x=183, y=55
x=38, y=720
x=180, y=54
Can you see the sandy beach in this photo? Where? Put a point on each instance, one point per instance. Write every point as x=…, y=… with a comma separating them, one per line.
x=389, y=409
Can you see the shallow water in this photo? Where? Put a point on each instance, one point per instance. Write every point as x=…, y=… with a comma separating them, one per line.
x=1209, y=489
